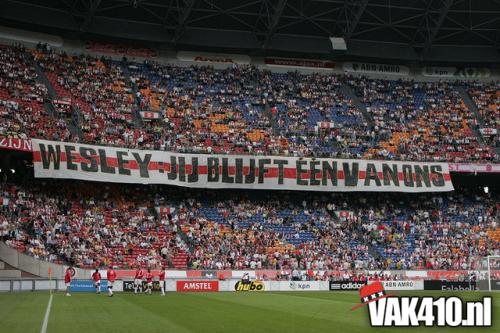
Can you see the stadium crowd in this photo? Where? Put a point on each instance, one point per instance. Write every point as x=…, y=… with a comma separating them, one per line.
x=241, y=109
x=316, y=118
x=201, y=109
x=487, y=99
x=98, y=89
x=82, y=230
x=22, y=98
x=71, y=222
x=420, y=121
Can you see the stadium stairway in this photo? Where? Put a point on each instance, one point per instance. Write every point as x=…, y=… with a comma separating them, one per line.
x=74, y=122
x=469, y=103
x=347, y=91
x=180, y=260
x=372, y=250
x=272, y=119
x=43, y=79
x=49, y=107
x=9, y=272
x=136, y=113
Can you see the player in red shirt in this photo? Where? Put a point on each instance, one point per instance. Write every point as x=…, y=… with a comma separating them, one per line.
x=96, y=277
x=68, y=276
x=111, y=276
x=139, y=274
x=149, y=282
x=161, y=277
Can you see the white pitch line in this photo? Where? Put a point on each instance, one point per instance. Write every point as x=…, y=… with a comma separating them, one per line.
x=47, y=314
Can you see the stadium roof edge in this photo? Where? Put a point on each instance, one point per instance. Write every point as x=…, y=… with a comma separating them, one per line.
x=372, y=29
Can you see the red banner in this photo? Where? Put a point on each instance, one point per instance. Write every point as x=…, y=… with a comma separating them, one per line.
x=15, y=144
x=446, y=275
x=197, y=286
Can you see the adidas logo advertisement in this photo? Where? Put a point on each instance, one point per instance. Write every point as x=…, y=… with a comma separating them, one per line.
x=346, y=285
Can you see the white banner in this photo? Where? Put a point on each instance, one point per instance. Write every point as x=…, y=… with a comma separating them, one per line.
x=363, y=67
x=487, y=131
x=464, y=167
x=450, y=72
x=300, y=286
x=63, y=101
x=432, y=71
x=252, y=285
x=473, y=72
x=402, y=285
x=263, y=286
x=325, y=124
x=121, y=165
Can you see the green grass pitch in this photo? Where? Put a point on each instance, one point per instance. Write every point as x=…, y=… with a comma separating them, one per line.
x=267, y=312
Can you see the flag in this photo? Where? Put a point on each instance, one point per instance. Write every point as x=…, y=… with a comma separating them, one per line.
x=150, y=115
x=162, y=211
x=344, y=214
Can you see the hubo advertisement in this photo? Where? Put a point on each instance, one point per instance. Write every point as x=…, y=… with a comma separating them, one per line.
x=249, y=286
